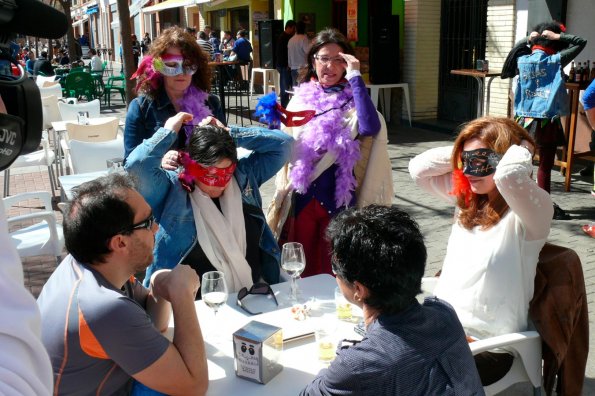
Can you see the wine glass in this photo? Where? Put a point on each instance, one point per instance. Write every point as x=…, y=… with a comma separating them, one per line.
x=293, y=262
x=214, y=289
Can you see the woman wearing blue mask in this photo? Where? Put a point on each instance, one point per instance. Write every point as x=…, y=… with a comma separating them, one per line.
x=173, y=77
x=502, y=220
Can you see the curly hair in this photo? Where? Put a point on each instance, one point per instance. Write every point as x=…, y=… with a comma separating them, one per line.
x=193, y=55
x=324, y=37
x=498, y=133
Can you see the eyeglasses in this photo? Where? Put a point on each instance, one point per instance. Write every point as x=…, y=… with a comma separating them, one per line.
x=144, y=224
x=325, y=60
x=257, y=288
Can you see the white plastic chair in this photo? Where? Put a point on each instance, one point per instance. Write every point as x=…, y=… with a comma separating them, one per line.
x=54, y=89
x=103, y=131
x=92, y=156
x=43, y=157
x=42, y=238
x=526, y=347
x=70, y=111
x=41, y=80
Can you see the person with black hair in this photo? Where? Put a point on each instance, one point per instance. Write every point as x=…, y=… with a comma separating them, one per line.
x=43, y=66
x=205, y=45
x=100, y=326
x=242, y=48
x=282, y=62
x=210, y=210
x=540, y=97
x=379, y=258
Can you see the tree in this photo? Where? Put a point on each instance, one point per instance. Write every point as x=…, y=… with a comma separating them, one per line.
x=125, y=31
x=65, y=5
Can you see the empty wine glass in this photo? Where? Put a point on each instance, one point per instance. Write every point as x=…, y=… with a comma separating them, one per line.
x=214, y=289
x=293, y=262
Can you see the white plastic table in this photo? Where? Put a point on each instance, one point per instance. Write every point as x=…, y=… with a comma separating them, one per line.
x=375, y=92
x=299, y=357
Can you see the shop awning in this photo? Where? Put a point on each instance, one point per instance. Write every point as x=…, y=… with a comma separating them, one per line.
x=171, y=4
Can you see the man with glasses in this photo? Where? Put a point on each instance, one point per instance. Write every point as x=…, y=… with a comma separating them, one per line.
x=297, y=51
x=100, y=326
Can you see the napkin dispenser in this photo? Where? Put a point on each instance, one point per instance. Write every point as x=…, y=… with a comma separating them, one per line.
x=482, y=65
x=257, y=351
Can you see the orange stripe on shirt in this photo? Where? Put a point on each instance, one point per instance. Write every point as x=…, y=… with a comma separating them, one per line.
x=89, y=343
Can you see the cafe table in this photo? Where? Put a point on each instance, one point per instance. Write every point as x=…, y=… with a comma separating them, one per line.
x=300, y=354
x=480, y=77
x=69, y=182
x=221, y=68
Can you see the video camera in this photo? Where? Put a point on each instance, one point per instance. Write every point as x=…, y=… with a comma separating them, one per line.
x=21, y=126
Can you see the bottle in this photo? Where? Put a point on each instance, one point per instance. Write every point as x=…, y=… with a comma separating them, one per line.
x=579, y=73
x=592, y=76
x=572, y=73
x=586, y=71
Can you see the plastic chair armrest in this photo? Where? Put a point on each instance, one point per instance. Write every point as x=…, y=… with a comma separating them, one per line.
x=505, y=340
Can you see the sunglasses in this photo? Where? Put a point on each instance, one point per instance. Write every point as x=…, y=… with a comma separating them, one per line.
x=257, y=288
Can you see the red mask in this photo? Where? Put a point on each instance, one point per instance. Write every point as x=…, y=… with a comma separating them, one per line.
x=208, y=175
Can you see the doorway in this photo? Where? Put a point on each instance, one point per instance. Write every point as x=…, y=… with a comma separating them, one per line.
x=462, y=42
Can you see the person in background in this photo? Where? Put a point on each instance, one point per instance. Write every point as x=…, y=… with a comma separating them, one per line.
x=116, y=334
x=409, y=348
x=191, y=31
x=502, y=220
x=84, y=40
x=146, y=44
x=25, y=367
x=173, y=77
x=320, y=180
x=43, y=65
x=64, y=58
x=227, y=43
x=589, y=105
x=96, y=62
x=297, y=52
x=203, y=42
x=207, y=29
x=215, y=42
x=242, y=48
x=30, y=64
x=135, y=50
x=211, y=211
x=282, y=65
x=540, y=97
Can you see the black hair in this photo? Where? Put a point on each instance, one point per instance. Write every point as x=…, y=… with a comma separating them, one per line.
x=552, y=26
x=97, y=212
x=202, y=35
x=324, y=37
x=382, y=248
x=92, y=51
x=289, y=23
x=243, y=33
x=210, y=144
x=300, y=27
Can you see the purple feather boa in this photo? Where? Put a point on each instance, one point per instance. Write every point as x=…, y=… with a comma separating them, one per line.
x=194, y=102
x=328, y=132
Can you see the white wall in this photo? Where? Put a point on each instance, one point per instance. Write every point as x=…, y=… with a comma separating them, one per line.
x=580, y=17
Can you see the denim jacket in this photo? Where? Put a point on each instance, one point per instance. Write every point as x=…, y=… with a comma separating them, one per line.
x=540, y=89
x=171, y=203
x=145, y=116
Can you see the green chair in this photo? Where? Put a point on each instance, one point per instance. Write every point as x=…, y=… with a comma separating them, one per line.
x=77, y=69
x=114, y=83
x=78, y=84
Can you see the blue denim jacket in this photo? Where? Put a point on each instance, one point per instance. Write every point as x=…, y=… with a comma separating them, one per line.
x=145, y=116
x=540, y=89
x=171, y=203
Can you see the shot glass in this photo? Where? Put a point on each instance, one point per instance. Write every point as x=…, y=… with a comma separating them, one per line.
x=343, y=307
x=326, y=341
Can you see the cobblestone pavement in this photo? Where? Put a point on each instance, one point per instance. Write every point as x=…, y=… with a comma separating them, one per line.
x=434, y=217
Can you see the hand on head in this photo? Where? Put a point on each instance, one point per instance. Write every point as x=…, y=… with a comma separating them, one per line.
x=170, y=160
x=210, y=120
x=175, y=123
x=548, y=34
x=351, y=61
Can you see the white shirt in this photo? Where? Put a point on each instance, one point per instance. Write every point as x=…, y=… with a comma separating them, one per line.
x=488, y=275
x=25, y=367
x=96, y=63
x=297, y=51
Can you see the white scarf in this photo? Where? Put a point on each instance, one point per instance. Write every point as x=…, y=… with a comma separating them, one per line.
x=222, y=234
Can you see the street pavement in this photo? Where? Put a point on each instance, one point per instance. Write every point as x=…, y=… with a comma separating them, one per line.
x=434, y=217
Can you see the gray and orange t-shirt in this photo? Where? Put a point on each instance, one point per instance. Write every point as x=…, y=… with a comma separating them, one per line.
x=97, y=336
